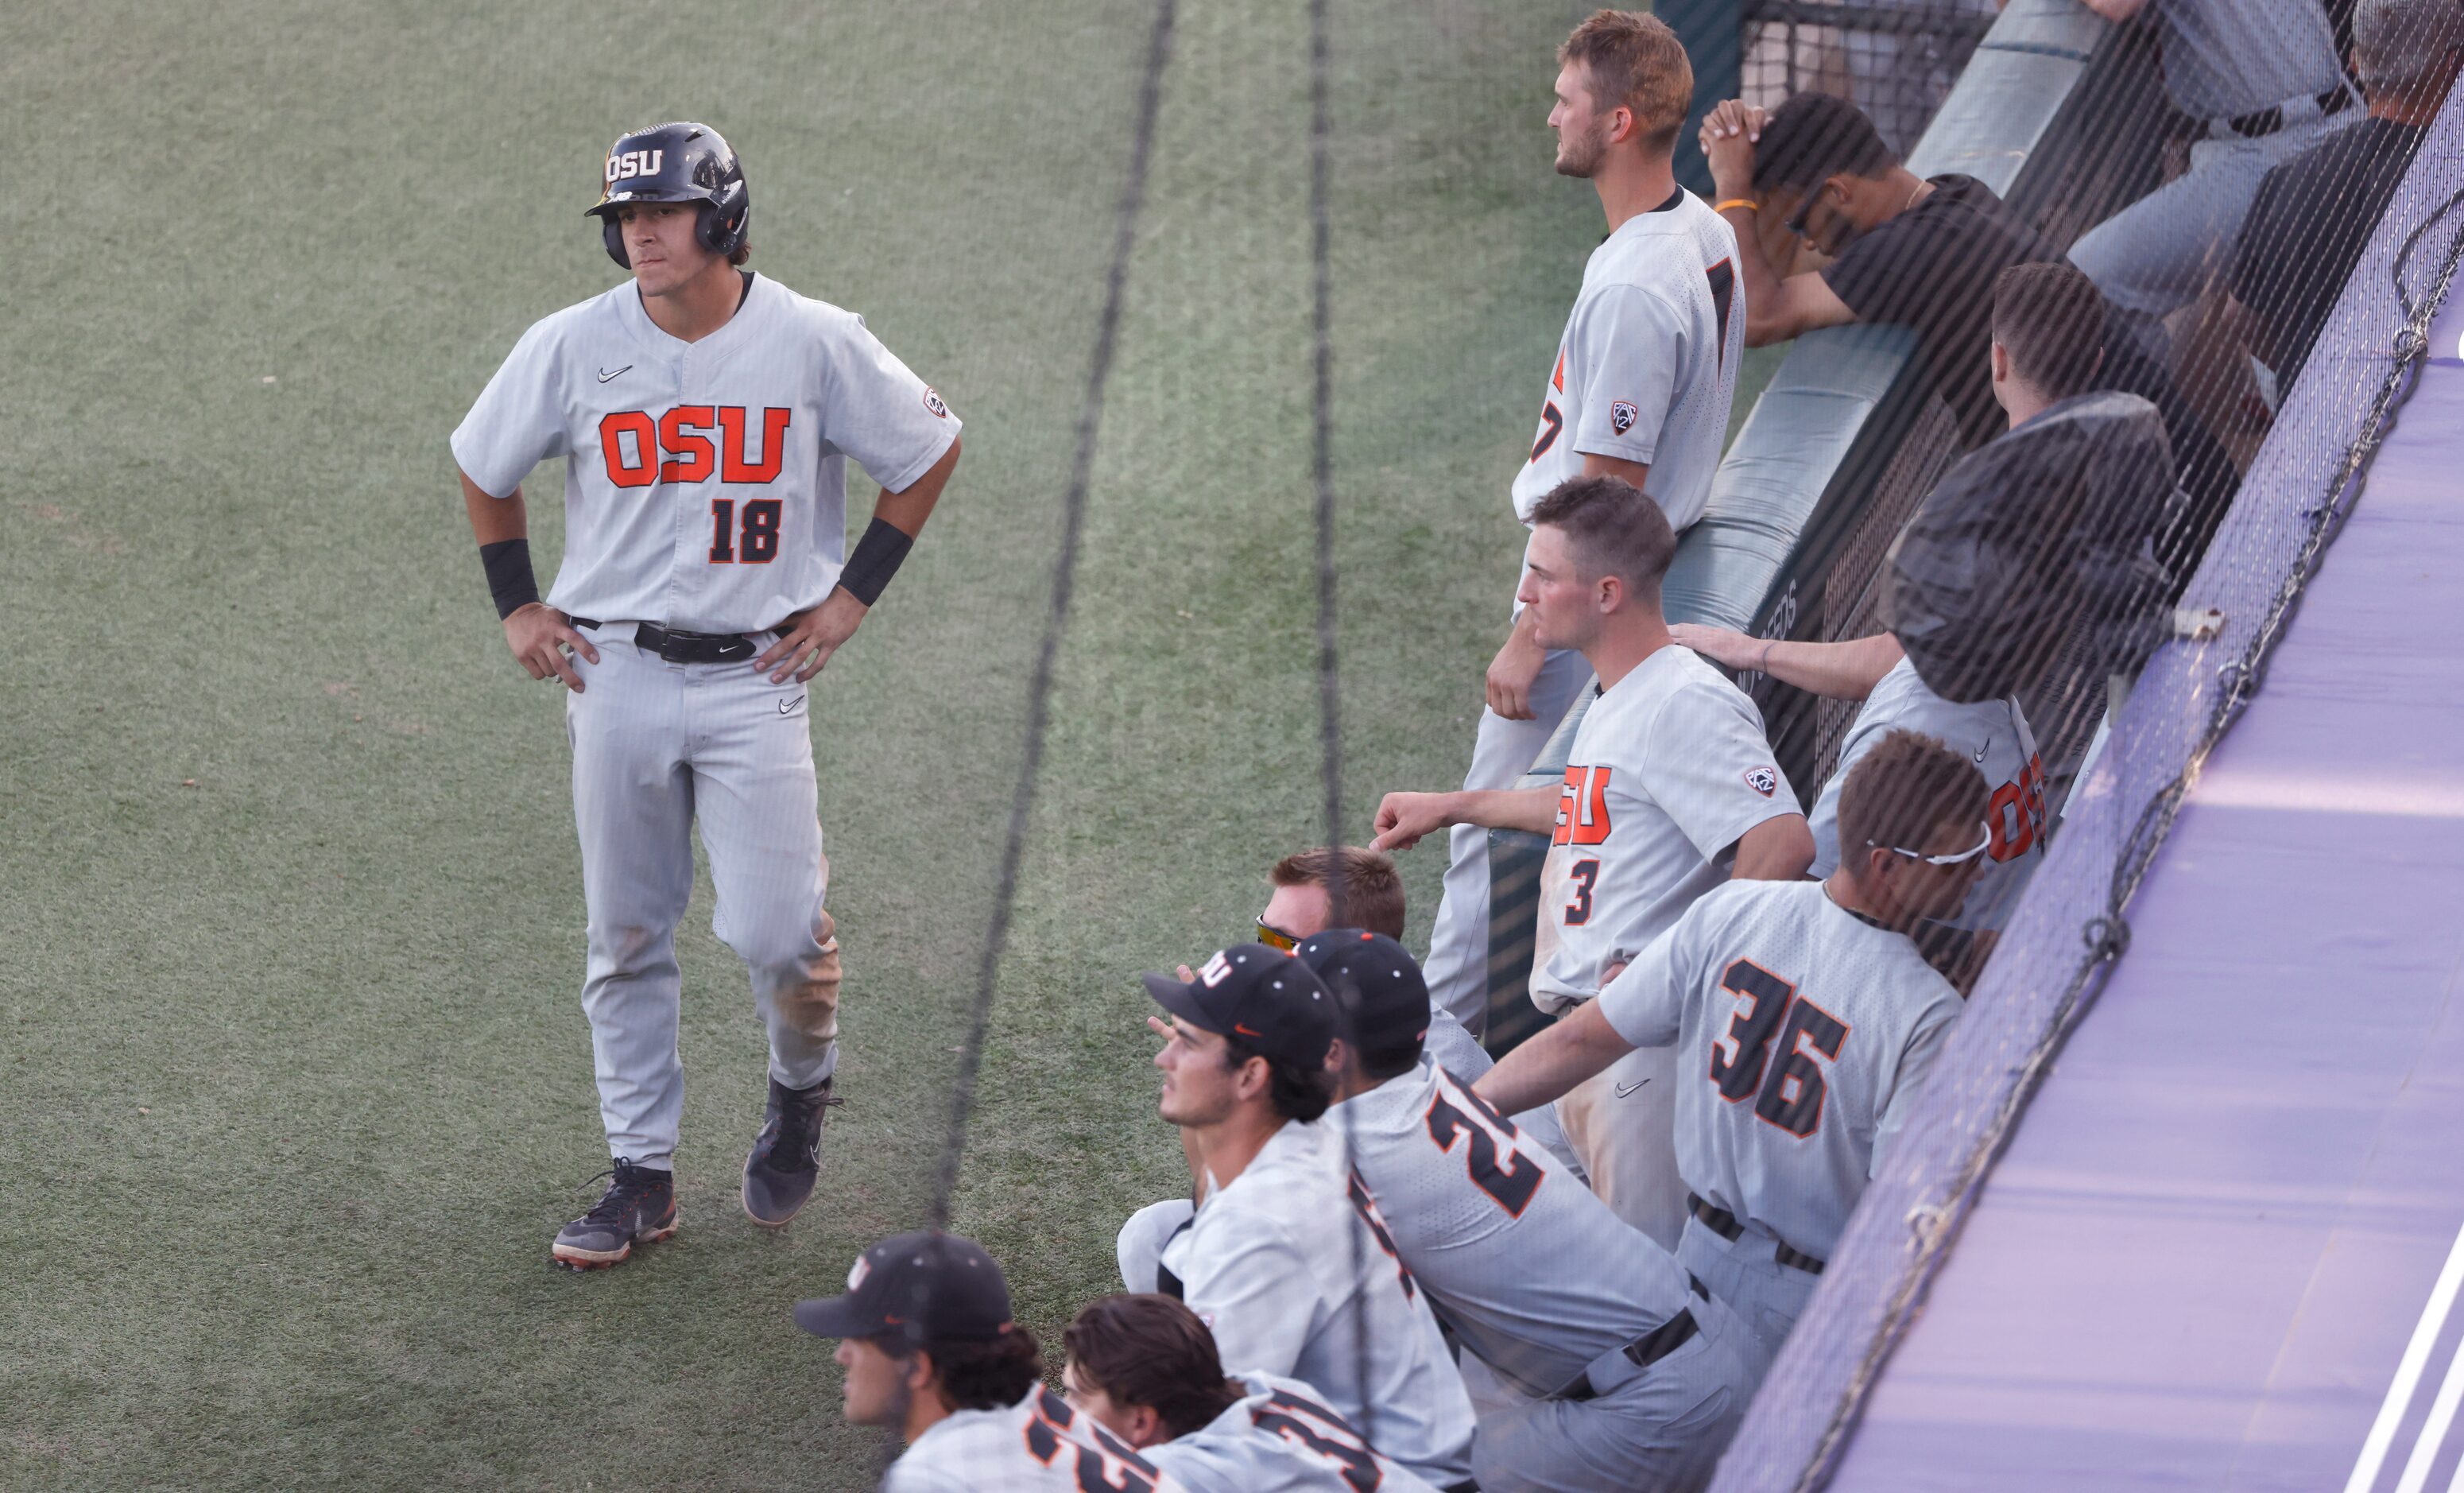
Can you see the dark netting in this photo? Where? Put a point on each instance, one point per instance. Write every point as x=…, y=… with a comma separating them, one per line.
x=1896, y=59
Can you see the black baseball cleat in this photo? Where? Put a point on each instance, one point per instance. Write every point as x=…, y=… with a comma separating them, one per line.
x=787, y=1155
x=638, y=1208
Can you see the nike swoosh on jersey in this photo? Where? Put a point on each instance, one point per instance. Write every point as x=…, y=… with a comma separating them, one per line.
x=1980, y=751
x=1626, y=1090
x=605, y=375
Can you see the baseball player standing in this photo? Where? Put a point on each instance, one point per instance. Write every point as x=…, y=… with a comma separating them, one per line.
x=706, y=416
x=1671, y=780
x=1617, y=1373
x=931, y=1352
x=1802, y=1021
x=1639, y=389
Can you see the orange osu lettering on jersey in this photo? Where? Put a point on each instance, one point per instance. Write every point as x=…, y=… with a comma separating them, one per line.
x=2017, y=814
x=682, y=435
x=1583, y=807
x=692, y=452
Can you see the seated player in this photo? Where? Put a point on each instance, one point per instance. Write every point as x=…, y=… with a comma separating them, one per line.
x=1145, y=1368
x=1282, y=1259
x=1298, y=908
x=1612, y=1370
x=1670, y=787
x=929, y=1348
x=1803, y=1023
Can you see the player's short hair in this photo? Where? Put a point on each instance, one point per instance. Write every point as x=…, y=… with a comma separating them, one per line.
x=1613, y=527
x=2401, y=44
x=1294, y=1092
x=741, y=253
x=1902, y=791
x=1373, y=890
x=2050, y=319
x=993, y=1373
x=1632, y=59
x=1152, y=1351
x=1814, y=137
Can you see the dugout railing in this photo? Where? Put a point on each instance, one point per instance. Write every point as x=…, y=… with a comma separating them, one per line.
x=2061, y=115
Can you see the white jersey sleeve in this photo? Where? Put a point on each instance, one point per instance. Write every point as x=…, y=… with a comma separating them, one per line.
x=1800, y=1029
x=877, y=410
x=520, y=419
x=1630, y=344
x=1710, y=767
x=1238, y=1277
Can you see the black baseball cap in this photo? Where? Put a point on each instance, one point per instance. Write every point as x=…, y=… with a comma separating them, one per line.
x=1263, y=996
x=924, y=1286
x=1380, y=994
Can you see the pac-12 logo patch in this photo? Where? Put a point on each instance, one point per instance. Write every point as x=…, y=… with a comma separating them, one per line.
x=933, y=403
x=1764, y=781
x=1622, y=416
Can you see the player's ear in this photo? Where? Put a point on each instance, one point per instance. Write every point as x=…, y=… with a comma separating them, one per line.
x=1146, y=1428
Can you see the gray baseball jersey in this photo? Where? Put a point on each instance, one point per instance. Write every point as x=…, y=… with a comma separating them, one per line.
x=1289, y=1265
x=1800, y=1029
x=705, y=483
x=1992, y=733
x=1647, y=367
x=705, y=488
x=1041, y=1442
x=1280, y=1438
x=1668, y=770
x=1471, y=1204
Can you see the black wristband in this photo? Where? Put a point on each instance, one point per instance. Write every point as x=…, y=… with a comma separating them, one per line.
x=876, y=558
x=507, y=564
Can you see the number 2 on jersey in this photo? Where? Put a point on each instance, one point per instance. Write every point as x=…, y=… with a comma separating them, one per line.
x=1790, y=1095
x=761, y=544
x=1491, y=1159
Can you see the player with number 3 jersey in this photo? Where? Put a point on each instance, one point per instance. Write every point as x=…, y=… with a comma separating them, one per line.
x=706, y=416
x=1801, y=1021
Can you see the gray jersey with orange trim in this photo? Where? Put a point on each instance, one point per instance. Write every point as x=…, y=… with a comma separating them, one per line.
x=1646, y=370
x=1041, y=1442
x=1992, y=733
x=1280, y=1438
x=705, y=483
x=1668, y=770
x=1471, y=1203
x=1802, y=1031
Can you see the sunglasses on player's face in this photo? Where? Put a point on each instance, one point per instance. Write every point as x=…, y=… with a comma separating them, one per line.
x=1956, y=858
x=1274, y=937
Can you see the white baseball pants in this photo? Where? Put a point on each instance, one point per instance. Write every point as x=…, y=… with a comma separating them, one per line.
x=656, y=746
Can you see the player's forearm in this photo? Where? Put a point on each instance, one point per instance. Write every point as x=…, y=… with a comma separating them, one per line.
x=906, y=509
x=1835, y=670
x=495, y=520
x=1549, y=1065
x=1755, y=276
x=1534, y=809
x=1776, y=849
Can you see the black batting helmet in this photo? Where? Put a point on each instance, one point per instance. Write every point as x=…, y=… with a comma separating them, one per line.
x=676, y=162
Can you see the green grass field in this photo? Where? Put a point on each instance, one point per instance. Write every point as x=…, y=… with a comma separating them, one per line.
x=295, y=1084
